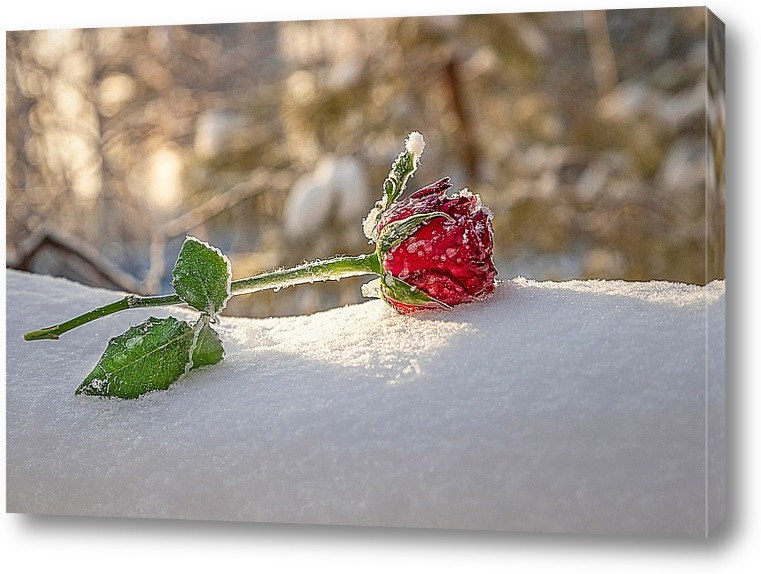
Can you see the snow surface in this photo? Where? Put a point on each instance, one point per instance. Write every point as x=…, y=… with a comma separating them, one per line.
x=581, y=406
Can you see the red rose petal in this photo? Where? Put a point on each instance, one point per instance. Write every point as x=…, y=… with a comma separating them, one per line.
x=449, y=260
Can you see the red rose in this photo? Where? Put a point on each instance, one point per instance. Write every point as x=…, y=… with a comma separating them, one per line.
x=449, y=258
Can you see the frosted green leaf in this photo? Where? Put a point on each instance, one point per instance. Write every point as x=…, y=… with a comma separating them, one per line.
x=208, y=349
x=394, y=288
x=397, y=231
x=202, y=276
x=150, y=357
x=402, y=169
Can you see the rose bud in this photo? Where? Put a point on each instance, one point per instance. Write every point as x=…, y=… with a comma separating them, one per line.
x=435, y=250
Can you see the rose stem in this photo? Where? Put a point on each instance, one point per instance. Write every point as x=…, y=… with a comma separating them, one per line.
x=330, y=269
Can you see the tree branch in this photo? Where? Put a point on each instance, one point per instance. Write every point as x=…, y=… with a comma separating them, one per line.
x=260, y=181
x=48, y=237
x=600, y=51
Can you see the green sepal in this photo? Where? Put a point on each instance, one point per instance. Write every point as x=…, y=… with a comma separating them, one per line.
x=397, y=231
x=388, y=190
x=202, y=276
x=402, y=292
x=402, y=169
x=151, y=356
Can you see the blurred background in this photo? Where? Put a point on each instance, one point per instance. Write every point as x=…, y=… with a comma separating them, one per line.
x=596, y=138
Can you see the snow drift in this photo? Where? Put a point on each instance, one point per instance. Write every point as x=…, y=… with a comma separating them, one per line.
x=582, y=406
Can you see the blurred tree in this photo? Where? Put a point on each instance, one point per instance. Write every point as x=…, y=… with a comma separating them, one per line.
x=584, y=132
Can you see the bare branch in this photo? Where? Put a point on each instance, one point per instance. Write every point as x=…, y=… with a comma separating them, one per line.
x=48, y=237
x=467, y=131
x=600, y=51
x=259, y=182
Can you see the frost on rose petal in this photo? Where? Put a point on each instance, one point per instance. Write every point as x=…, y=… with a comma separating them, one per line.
x=448, y=258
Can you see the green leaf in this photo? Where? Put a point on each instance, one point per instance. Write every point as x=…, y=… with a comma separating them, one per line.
x=151, y=356
x=397, y=231
x=202, y=276
x=208, y=348
x=394, y=288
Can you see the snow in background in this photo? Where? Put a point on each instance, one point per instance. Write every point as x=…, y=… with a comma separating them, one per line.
x=338, y=188
x=551, y=407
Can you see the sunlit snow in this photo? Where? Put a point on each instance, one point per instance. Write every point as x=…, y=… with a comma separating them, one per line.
x=582, y=406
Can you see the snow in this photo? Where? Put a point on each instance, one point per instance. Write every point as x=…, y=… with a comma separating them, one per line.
x=370, y=224
x=338, y=187
x=415, y=144
x=580, y=406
